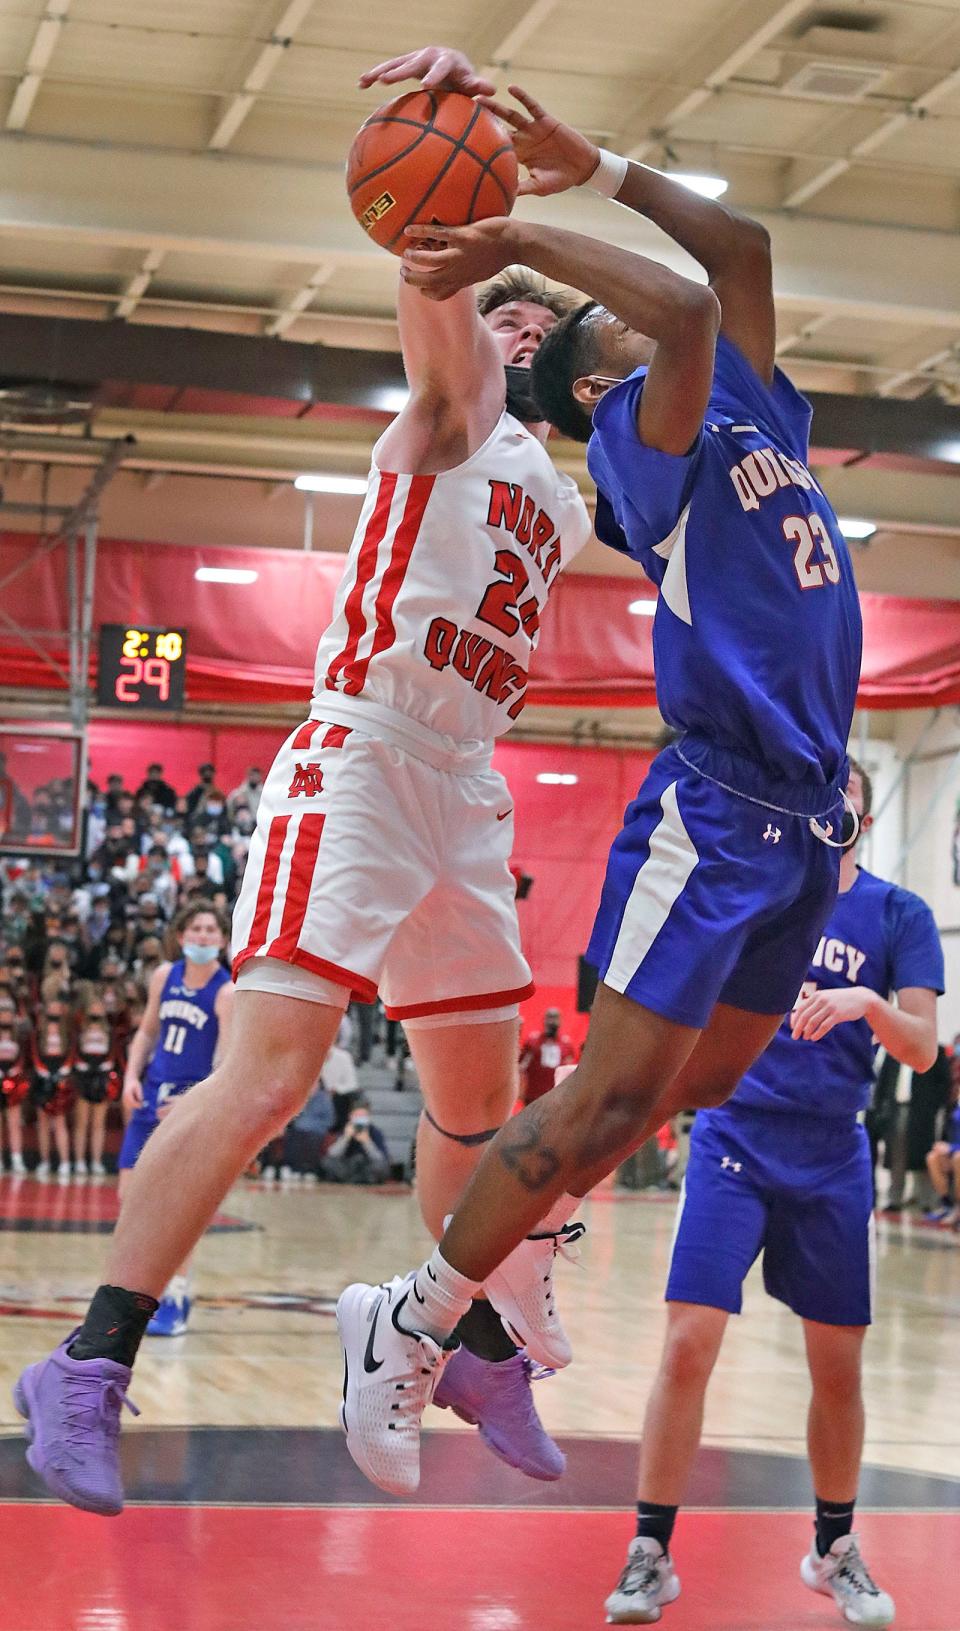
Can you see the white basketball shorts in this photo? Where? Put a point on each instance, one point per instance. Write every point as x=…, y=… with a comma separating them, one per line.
x=376, y=870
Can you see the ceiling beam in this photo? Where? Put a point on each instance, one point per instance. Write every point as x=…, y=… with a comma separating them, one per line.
x=290, y=20
x=298, y=303
x=920, y=369
x=137, y=286
x=888, y=127
x=804, y=331
x=745, y=30
x=38, y=57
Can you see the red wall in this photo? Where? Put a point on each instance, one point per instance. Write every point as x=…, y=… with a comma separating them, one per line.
x=563, y=833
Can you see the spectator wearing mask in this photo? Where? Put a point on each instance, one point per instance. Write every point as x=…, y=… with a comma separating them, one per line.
x=198, y=796
x=249, y=792
x=115, y=792
x=156, y=790
x=359, y=1155
x=542, y=1055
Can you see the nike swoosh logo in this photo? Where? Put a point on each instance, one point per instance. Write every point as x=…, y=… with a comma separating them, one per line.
x=503, y=817
x=370, y=1362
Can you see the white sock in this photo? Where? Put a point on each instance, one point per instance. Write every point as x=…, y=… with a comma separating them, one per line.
x=438, y=1300
x=560, y=1213
x=177, y=1290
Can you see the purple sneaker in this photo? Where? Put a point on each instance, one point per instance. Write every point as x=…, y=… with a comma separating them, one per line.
x=497, y=1398
x=72, y=1409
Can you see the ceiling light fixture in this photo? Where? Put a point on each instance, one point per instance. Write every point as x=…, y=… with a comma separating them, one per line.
x=320, y=483
x=856, y=529
x=706, y=186
x=225, y=574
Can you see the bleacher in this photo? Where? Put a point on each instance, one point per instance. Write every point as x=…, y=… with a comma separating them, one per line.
x=396, y=1113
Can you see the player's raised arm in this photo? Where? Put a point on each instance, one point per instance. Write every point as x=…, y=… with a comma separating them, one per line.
x=733, y=250
x=679, y=316
x=452, y=365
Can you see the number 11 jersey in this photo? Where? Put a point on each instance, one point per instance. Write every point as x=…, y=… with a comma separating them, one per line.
x=439, y=609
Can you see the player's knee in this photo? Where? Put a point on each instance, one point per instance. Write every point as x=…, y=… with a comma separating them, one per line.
x=709, y=1094
x=687, y=1357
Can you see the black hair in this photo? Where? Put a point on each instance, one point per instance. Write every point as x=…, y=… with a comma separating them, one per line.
x=516, y=283
x=856, y=768
x=562, y=357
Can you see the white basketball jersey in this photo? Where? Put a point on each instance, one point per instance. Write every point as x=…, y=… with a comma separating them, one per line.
x=439, y=609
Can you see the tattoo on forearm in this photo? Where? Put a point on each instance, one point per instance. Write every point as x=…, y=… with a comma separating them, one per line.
x=523, y=1152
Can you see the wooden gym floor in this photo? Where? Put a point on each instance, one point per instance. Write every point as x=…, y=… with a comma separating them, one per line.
x=246, y=1513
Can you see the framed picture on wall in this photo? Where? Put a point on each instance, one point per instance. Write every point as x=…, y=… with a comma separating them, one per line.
x=40, y=791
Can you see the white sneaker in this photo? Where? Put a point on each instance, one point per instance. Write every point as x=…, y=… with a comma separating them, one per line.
x=649, y=1580
x=521, y=1291
x=63, y=1172
x=17, y=1166
x=80, y=1169
x=389, y=1376
x=42, y=1171
x=844, y=1576
x=97, y=1169
x=288, y=1176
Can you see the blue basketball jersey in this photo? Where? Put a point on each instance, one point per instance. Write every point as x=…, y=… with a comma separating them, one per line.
x=880, y=936
x=188, y=1031
x=757, y=634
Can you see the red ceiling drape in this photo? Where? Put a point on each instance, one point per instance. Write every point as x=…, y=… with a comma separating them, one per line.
x=254, y=643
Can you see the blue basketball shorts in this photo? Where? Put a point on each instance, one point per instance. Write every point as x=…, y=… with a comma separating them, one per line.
x=146, y=1120
x=713, y=895
x=796, y=1189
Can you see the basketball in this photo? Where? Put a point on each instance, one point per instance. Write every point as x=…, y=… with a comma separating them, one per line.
x=429, y=156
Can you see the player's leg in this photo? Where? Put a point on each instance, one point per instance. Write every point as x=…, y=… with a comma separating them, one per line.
x=467, y=1072
x=720, y=1228
x=835, y=1428
x=42, y=1169
x=277, y=1045
x=955, y=1172
x=938, y=1168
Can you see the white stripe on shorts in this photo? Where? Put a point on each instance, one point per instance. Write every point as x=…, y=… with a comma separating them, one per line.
x=660, y=881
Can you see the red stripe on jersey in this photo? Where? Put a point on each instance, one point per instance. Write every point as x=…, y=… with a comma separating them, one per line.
x=304, y=735
x=268, y=882
x=366, y=566
x=421, y=487
x=336, y=736
x=302, y=868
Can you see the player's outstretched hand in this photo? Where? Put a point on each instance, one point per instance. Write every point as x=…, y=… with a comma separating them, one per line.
x=440, y=260
x=438, y=67
x=555, y=156
x=815, y=1016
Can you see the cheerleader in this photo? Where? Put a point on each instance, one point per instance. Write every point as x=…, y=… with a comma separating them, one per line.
x=52, y=1088
x=14, y=1084
x=96, y=1084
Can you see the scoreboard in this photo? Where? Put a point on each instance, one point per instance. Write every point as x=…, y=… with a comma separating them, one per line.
x=141, y=670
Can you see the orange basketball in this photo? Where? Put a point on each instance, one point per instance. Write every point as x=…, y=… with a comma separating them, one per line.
x=429, y=156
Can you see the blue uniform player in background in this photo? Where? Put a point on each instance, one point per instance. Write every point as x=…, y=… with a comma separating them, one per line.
x=183, y=1030
x=720, y=884
x=784, y=1168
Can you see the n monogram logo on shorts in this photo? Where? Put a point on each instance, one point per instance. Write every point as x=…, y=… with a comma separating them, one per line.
x=308, y=780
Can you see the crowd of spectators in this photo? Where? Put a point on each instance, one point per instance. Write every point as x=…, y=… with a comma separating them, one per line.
x=79, y=941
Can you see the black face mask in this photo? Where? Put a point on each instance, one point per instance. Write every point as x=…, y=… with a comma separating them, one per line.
x=520, y=400
x=848, y=827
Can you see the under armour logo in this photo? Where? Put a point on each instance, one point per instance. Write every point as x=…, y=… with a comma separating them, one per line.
x=308, y=780
x=728, y=1161
x=772, y=834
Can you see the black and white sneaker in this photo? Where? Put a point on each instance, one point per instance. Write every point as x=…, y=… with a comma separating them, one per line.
x=389, y=1376
x=844, y=1576
x=649, y=1580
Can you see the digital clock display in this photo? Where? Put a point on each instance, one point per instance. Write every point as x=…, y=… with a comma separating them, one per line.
x=141, y=668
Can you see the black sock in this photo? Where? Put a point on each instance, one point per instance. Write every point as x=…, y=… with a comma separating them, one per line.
x=656, y=1522
x=114, y=1326
x=834, y=1520
x=482, y=1334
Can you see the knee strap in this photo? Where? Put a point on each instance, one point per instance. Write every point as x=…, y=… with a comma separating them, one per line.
x=468, y=1139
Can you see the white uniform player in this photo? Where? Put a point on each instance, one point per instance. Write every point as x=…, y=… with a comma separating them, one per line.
x=383, y=836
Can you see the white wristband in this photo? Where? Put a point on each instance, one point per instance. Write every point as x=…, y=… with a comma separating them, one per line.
x=609, y=175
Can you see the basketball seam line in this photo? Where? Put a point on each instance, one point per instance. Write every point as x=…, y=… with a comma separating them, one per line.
x=421, y=204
